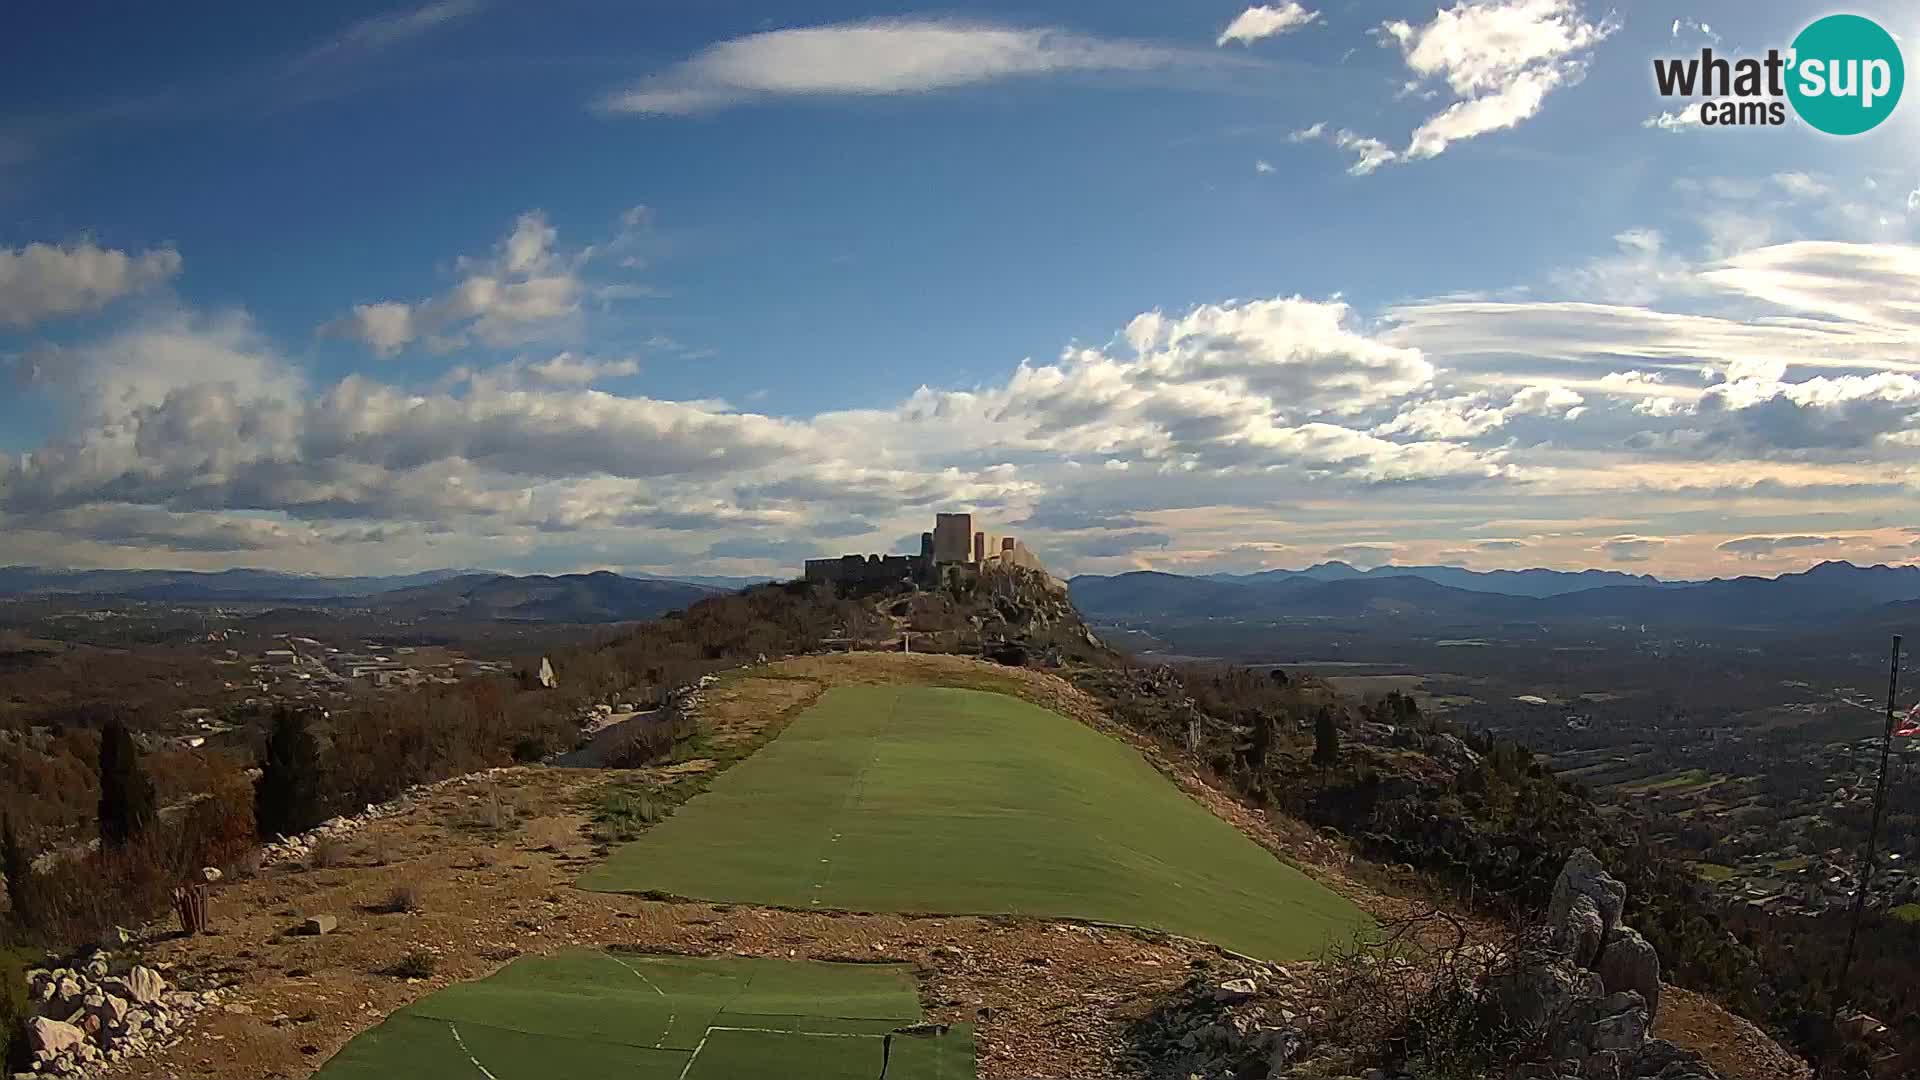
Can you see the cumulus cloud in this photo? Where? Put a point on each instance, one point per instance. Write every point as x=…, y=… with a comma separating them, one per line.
x=44, y=281
x=881, y=56
x=525, y=286
x=1188, y=440
x=1265, y=21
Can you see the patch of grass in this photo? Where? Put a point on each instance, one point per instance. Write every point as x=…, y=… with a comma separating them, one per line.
x=936, y=800
x=1907, y=913
x=417, y=964
x=587, y=1013
x=624, y=810
x=1714, y=871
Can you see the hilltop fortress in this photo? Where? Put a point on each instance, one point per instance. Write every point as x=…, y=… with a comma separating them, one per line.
x=953, y=542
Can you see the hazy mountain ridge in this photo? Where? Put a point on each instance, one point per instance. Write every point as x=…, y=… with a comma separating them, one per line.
x=1329, y=590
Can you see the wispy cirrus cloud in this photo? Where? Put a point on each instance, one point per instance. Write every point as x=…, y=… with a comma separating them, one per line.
x=875, y=57
x=380, y=32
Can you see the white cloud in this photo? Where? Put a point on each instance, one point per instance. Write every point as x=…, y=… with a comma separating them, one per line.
x=1498, y=59
x=1746, y=388
x=1688, y=117
x=1265, y=21
x=882, y=56
x=1263, y=167
x=569, y=370
x=1369, y=154
x=1631, y=549
x=1308, y=134
x=42, y=281
x=1801, y=185
x=1520, y=99
x=1484, y=46
x=524, y=288
x=380, y=32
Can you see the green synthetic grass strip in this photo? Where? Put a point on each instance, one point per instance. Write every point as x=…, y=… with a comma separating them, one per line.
x=944, y=1057
x=587, y=1014
x=409, y=1046
x=749, y=1055
x=937, y=800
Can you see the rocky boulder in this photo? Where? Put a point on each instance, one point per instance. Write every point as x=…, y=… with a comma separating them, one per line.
x=1591, y=986
x=1584, y=878
x=1628, y=962
x=51, y=1038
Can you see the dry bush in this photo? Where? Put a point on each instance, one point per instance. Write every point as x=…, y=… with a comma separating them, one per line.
x=328, y=852
x=417, y=964
x=380, y=849
x=77, y=899
x=1413, y=994
x=406, y=898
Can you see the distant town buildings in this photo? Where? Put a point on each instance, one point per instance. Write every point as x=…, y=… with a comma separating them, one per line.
x=954, y=541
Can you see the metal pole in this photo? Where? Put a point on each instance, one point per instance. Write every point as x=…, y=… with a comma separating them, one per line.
x=1863, y=871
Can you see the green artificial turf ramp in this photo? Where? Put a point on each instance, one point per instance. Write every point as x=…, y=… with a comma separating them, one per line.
x=934, y=800
x=584, y=1015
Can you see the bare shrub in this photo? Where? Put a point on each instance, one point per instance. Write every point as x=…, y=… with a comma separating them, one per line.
x=1414, y=994
x=77, y=899
x=406, y=898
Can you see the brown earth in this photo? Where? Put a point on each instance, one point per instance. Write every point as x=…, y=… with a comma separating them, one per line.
x=487, y=871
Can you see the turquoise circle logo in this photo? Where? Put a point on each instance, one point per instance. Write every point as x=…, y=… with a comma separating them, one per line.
x=1847, y=74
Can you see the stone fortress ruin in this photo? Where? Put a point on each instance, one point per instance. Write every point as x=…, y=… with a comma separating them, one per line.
x=954, y=542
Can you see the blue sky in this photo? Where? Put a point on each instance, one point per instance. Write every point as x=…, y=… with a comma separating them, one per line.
x=677, y=287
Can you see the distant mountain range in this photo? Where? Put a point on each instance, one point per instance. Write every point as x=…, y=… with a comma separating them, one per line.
x=464, y=594
x=597, y=597
x=1451, y=594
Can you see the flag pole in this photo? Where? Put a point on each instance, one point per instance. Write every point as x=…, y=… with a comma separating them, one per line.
x=1863, y=870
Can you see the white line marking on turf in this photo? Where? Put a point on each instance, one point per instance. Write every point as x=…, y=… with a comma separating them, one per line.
x=671, y=1014
x=688, y=1067
x=469, y=1053
x=808, y=1034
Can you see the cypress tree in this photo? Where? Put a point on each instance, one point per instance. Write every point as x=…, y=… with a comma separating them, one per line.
x=16, y=870
x=287, y=797
x=127, y=803
x=1326, y=738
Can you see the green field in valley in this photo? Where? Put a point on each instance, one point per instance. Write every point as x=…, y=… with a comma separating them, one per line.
x=586, y=1015
x=934, y=800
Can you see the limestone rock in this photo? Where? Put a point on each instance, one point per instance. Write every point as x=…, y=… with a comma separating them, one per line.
x=1235, y=991
x=1540, y=993
x=320, y=924
x=144, y=985
x=52, y=1037
x=1584, y=876
x=1579, y=931
x=1628, y=962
